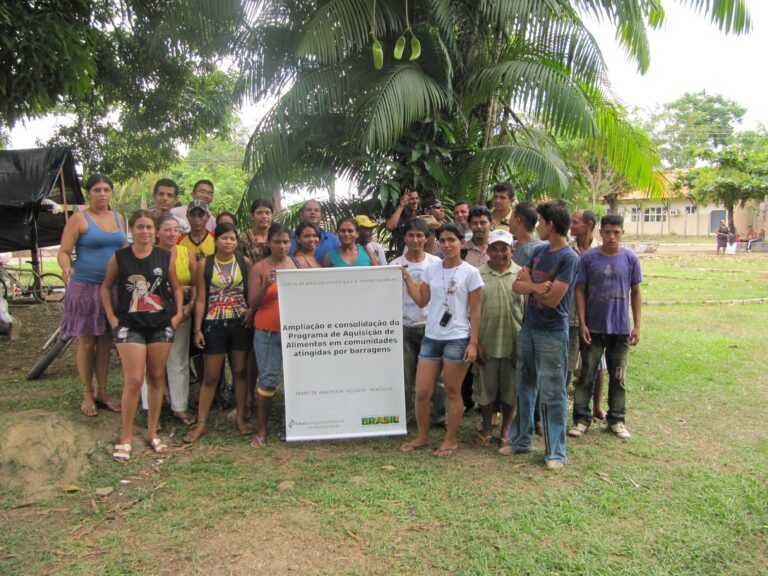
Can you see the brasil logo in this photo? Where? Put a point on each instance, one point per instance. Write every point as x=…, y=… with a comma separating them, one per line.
x=375, y=420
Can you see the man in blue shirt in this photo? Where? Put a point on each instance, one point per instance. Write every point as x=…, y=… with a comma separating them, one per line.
x=312, y=211
x=542, y=349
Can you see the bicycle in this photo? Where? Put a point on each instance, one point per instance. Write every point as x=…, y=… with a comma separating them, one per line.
x=20, y=285
x=52, y=349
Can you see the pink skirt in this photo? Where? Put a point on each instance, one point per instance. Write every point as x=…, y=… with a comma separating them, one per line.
x=83, y=312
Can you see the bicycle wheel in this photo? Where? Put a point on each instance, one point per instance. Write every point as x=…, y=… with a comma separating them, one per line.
x=48, y=357
x=52, y=288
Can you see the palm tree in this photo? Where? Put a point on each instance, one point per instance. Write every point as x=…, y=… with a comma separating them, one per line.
x=496, y=84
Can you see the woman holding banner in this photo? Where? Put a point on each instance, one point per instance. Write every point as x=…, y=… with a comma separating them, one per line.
x=451, y=290
x=266, y=323
x=350, y=253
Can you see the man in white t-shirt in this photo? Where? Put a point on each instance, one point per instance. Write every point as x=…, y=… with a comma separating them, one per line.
x=415, y=233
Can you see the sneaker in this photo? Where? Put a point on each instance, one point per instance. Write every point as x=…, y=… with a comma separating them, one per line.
x=509, y=451
x=555, y=465
x=620, y=430
x=577, y=430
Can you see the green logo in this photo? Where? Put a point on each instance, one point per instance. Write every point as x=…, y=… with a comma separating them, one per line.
x=375, y=420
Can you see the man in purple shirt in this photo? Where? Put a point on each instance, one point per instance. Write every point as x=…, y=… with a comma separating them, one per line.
x=608, y=285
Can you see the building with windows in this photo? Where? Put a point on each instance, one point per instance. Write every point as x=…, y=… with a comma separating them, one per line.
x=677, y=214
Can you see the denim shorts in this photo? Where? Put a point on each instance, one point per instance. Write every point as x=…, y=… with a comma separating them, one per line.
x=222, y=336
x=447, y=350
x=127, y=335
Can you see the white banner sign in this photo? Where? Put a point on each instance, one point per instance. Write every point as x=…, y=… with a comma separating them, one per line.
x=342, y=352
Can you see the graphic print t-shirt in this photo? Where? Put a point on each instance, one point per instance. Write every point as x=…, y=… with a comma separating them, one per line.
x=227, y=291
x=546, y=266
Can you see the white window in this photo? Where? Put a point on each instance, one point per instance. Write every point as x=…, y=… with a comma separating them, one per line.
x=633, y=217
x=690, y=209
x=655, y=214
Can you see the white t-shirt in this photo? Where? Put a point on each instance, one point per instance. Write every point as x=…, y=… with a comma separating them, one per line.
x=414, y=316
x=451, y=286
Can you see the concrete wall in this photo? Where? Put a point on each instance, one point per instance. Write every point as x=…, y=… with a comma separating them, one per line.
x=677, y=221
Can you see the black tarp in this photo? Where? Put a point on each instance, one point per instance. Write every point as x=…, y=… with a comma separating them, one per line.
x=27, y=177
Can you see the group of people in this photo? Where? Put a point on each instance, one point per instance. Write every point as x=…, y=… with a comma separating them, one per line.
x=488, y=299
x=726, y=236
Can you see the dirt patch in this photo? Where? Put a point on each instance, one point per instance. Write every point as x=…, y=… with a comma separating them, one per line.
x=288, y=541
x=41, y=451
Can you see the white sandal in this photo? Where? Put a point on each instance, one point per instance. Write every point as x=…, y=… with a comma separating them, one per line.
x=122, y=453
x=157, y=446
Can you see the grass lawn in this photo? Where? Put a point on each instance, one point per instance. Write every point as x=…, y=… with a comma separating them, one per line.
x=688, y=494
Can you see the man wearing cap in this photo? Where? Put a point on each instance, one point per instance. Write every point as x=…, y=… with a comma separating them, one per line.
x=312, y=211
x=501, y=316
x=365, y=238
x=480, y=223
x=164, y=196
x=202, y=190
x=503, y=199
x=433, y=207
x=199, y=241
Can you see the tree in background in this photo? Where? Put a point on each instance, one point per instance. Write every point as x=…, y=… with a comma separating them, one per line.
x=132, y=79
x=685, y=129
x=450, y=94
x=735, y=175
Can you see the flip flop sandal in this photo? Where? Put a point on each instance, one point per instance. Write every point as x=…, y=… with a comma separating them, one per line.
x=444, y=452
x=258, y=441
x=193, y=436
x=108, y=405
x=408, y=447
x=503, y=441
x=122, y=453
x=484, y=440
x=88, y=410
x=157, y=446
x=186, y=418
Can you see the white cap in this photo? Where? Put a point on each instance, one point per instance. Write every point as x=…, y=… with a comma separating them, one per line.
x=501, y=236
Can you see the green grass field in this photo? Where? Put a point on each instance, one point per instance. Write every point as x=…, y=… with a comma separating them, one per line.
x=688, y=494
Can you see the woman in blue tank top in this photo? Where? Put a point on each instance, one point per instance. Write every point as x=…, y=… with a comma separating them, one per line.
x=350, y=253
x=93, y=234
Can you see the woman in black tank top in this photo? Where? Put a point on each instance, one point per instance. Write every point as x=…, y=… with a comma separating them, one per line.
x=149, y=307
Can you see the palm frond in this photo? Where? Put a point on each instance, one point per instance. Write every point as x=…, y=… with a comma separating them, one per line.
x=398, y=97
x=730, y=16
x=544, y=92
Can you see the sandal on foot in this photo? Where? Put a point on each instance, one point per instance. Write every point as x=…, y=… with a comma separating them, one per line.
x=107, y=405
x=186, y=418
x=443, y=452
x=88, y=410
x=484, y=440
x=245, y=428
x=503, y=441
x=194, y=435
x=157, y=446
x=409, y=447
x=122, y=453
x=258, y=441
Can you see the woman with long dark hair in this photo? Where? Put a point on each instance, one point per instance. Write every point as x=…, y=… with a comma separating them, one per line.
x=93, y=234
x=221, y=325
x=266, y=322
x=451, y=291
x=149, y=308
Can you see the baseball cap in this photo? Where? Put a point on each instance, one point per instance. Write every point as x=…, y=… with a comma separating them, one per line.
x=500, y=236
x=364, y=221
x=433, y=204
x=431, y=222
x=200, y=205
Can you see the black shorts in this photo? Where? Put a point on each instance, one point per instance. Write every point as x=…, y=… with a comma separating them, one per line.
x=222, y=336
x=129, y=335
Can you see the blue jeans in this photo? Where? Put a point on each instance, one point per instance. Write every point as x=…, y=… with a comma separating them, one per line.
x=542, y=368
x=269, y=359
